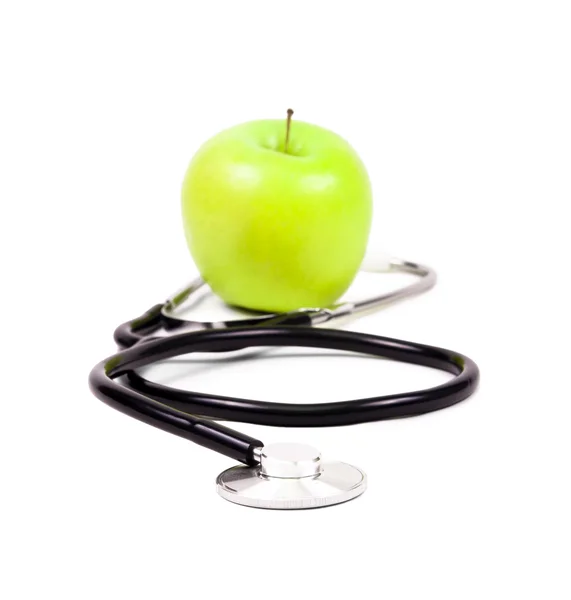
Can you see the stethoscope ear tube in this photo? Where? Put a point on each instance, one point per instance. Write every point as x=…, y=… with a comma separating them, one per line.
x=162, y=318
x=206, y=433
x=172, y=410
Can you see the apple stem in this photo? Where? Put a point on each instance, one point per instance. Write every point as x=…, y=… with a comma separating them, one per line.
x=288, y=125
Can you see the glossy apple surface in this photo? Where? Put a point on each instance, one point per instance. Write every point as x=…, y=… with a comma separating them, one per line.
x=272, y=230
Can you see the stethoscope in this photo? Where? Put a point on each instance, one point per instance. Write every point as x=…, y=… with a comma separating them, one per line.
x=278, y=476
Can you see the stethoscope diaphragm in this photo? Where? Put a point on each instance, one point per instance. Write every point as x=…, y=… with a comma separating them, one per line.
x=291, y=476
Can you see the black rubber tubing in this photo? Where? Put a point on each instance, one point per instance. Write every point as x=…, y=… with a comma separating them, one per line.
x=170, y=409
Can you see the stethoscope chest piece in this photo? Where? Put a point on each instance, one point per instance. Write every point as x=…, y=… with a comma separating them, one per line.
x=279, y=476
x=291, y=476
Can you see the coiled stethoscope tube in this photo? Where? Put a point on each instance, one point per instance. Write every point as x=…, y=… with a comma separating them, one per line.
x=158, y=335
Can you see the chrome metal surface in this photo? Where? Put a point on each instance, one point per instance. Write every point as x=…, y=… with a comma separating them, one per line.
x=290, y=461
x=426, y=282
x=291, y=476
x=427, y=279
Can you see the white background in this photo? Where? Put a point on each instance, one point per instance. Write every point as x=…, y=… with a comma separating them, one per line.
x=461, y=111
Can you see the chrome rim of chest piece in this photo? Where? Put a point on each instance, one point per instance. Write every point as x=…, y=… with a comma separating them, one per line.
x=291, y=476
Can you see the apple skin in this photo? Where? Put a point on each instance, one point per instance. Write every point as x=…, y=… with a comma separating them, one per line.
x=275, y=231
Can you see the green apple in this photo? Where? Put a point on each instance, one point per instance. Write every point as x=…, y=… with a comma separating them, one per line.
x=277, y=218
